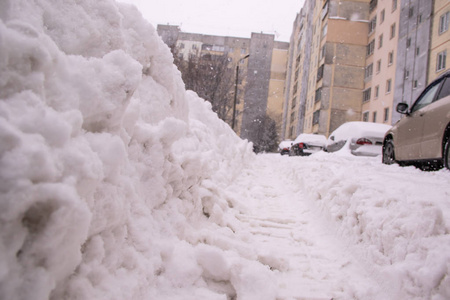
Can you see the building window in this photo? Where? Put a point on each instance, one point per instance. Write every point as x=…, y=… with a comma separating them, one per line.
x=316, y=116
x=390, y=58
x=394, y=5
x=406, y=74
x=408, y=43
x=377, y=91
x=380, y=41
x=382, y=16
x=366, y=116
x=318, y=95
x=372, y=5
x=370, y=48
x=369, y=71
x=411, y=12
x=181, y=45
x=417, y=51
x=443, y=22
x=320, y=72
x=386, y=114
x=388, y=86
x=374, y=117
x=366, y=95
x=415, y=84
x=393, y=30
x=324, y=30
x=322, y=52
x=372, y=25
x=294, y=102
x=379, y=66
x=324, y=10
x=419, y=18
x=441, y=61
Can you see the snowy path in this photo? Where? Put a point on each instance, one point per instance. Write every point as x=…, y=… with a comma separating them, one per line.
x=309, y=260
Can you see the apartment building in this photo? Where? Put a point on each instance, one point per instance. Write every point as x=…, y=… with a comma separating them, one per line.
x=381, y=58
x=440, y=39
x=372, y=55
x=298, y=67
x=413, y=51
x=326, y=86
x=261, y=77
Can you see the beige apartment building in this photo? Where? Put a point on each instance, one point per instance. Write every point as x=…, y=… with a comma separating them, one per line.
x=261, y=77
x=440, y=39
x=327, y=68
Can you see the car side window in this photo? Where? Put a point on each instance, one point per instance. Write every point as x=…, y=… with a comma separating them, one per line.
x=445, y=91
x=426, y=98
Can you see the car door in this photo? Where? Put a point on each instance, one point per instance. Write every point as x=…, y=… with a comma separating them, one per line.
x=410, y=128
x=436, y=118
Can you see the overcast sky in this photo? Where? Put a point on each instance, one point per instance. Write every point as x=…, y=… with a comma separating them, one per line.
x=223, y=17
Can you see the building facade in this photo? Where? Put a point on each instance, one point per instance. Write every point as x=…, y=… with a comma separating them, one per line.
x=261, y=77
x=327, y=68
x=361, y=58
x=413, y=51
x=440, y=39
x=381, y=60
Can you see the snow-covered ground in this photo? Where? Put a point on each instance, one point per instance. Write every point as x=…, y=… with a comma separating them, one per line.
x=116, y=183
x=349, y=227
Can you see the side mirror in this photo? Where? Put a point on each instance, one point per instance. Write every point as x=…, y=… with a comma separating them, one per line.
x=402, y=108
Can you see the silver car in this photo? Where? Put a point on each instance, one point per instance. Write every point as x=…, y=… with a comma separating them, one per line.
x=358, y=138
x=421, y=137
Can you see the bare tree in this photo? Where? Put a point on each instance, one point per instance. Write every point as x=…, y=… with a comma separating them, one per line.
x=211, y=76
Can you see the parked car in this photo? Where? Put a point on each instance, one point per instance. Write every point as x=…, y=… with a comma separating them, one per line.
x=422, y=136
x=358, y=138
x=307, y=144
x=284, y=147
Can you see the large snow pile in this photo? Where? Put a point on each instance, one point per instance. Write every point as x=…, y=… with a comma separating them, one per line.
x=112, y=176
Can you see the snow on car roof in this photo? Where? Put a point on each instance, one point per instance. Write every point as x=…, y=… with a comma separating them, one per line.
x=310, y=137
x=284, y=144
x=359, y=129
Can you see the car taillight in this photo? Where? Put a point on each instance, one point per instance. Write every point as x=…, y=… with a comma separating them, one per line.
x=301, y=145
x=363, y=141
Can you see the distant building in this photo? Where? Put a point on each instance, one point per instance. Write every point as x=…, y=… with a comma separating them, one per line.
x=261, y=78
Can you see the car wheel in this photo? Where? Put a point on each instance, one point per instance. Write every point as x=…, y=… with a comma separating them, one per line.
x=447, y=154
x=388, y=153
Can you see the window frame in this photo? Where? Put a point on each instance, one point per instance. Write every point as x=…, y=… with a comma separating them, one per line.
x=441, y=61
x=443, y=22
x=389, y=86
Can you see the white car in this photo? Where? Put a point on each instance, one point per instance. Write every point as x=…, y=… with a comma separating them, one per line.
x=307, y=144
x=358, y=138
x=284, y=147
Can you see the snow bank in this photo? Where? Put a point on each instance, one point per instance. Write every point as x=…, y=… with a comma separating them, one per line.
x=396, y=220
x=112, y=176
